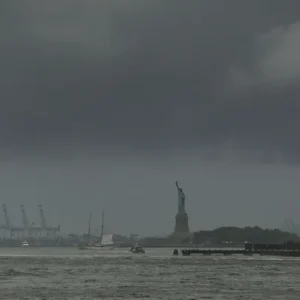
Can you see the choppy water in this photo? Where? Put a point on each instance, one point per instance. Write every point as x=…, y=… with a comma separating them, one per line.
x=63, y=274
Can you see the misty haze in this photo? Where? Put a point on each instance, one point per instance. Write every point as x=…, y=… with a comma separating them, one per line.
x=105, y=104
x=174, y=118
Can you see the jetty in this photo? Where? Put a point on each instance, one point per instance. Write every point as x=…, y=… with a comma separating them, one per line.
x=290, y=249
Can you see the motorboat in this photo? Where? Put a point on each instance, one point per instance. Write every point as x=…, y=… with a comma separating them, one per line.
x=136, y=248
x=25, y=244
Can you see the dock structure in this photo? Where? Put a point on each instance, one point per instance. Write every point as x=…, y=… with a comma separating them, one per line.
x=286, y=249
x=292, y=253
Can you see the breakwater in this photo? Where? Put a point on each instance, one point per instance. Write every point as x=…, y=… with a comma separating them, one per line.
x=286, y=249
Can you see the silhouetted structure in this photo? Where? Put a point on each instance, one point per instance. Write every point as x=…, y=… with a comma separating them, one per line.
x=234, y=235
x=28, y=230
x=181, y=220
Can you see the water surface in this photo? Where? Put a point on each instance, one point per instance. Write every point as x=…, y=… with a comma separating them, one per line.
x=68, y=273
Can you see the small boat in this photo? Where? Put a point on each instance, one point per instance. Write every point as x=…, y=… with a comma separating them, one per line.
x=136, y=248
x=25, y=244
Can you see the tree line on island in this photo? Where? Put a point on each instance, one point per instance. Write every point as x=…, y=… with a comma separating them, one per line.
x=232, y=234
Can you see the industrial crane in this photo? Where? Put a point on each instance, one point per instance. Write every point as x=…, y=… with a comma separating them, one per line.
x=27, y=229
x=42, y=216
x=291, y=226
x=7, y=221
x=48, y=229
x=25, y=221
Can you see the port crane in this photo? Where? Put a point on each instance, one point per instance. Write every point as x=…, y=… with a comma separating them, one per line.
x=28, y=229
x=291, y=226
x=24, y=217
x=42, y=216
x=48, y=229
x=7, y=221
x=6, y=225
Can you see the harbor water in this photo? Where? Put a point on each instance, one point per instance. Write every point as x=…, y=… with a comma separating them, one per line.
x=68, y=273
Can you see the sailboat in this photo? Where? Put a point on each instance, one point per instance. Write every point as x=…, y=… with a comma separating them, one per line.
x=105, y=241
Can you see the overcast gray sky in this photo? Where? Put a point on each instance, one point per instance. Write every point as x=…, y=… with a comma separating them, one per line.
x=105, y=103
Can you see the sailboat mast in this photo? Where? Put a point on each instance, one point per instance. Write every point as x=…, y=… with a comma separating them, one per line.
x=89, y=231
x=102, y=226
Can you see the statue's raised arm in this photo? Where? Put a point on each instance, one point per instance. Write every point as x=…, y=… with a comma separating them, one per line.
x=181, y=198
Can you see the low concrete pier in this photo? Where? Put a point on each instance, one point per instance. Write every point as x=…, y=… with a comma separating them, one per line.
x=288, y=249
x=292, y=253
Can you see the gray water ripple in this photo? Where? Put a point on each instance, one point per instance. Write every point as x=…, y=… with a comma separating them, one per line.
x=70, y=275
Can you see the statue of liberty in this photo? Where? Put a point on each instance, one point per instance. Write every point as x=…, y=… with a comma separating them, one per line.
x=181, y=198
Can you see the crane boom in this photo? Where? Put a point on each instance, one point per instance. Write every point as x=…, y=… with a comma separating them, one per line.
x=24, y=217
x=7, y=221
x=291, y=226
x=296, y=230
x=42, y=216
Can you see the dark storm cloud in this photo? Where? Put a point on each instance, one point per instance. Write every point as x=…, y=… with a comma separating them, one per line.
x=151, y=74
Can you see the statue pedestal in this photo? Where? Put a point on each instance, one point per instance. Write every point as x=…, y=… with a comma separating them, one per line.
x=182, y=230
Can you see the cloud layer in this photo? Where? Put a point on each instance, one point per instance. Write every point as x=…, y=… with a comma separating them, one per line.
x=150, y=76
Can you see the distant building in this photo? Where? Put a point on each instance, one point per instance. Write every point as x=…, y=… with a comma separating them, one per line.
x=134, y=237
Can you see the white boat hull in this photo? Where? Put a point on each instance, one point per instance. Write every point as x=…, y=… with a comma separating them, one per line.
x=96, y=247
